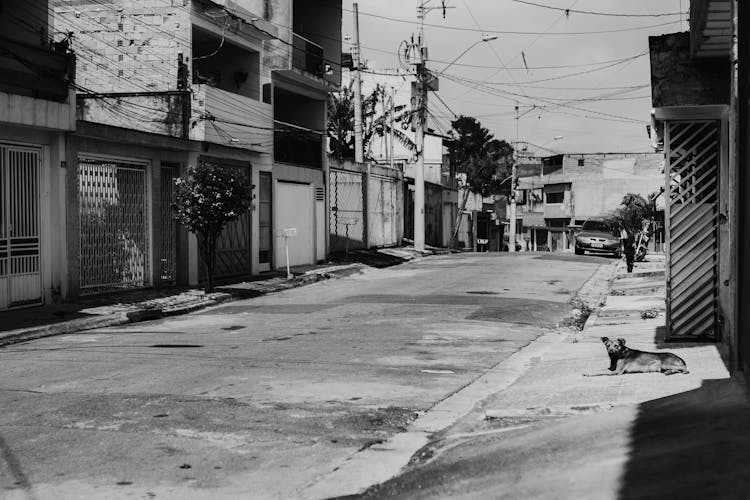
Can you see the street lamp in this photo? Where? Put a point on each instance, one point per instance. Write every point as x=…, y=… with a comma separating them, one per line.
x=485, y=38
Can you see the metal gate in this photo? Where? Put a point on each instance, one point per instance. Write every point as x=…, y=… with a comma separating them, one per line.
x=383, y=211
x=692, y=176
x=346, y=198
x=113, y=216
x=168, y=251
x=20, y=276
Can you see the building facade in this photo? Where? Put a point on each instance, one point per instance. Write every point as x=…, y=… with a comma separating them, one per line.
x=556, y=195
x=37, y=111
x=700, y=120
x=242, y=85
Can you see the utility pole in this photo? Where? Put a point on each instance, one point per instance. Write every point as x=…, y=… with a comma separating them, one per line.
x=390, y=127
x=513, y=173
x=417, y=55
x=420, y=103
x=358, y=142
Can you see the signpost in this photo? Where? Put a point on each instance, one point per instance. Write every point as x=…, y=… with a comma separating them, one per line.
x=287, y=233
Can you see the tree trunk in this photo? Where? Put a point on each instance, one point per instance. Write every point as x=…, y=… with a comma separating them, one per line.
x=457, y=223
x=207, y=250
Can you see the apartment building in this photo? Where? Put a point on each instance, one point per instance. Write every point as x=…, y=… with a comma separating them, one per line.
x=37, y=110
x=556, y=195
x=164, y=85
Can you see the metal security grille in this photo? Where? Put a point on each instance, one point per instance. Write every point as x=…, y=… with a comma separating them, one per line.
x=265, y=221
x=382, y=211
x=168, y=251
x=113, y=215
x=693, y=151
x=20, y=277
x=347, y=217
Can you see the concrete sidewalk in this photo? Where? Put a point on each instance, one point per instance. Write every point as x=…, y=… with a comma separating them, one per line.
x=557, y=384
x=632, y=436
x=131, y=306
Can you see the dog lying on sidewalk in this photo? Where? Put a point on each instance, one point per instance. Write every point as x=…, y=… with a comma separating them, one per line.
x=626, y=360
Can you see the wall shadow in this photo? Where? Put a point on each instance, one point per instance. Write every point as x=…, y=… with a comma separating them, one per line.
x=691, y=445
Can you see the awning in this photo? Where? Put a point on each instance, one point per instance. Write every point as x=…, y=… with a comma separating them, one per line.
x=534, y=219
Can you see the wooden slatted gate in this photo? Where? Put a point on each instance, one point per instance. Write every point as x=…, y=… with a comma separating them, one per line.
x=233, y=257
x=20, y=266
x=692, y=175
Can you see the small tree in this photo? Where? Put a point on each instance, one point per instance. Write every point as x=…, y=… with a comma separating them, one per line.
x=208, y=197
x=631, y=213
x=482, y=162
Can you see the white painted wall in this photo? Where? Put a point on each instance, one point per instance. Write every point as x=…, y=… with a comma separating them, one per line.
x=294, y=208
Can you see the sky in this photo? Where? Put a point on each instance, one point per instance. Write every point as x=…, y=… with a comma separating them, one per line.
x=555, y=110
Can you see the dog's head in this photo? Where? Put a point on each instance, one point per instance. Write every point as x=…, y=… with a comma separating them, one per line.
x=615, y=348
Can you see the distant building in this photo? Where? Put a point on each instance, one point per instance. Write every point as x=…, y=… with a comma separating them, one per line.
x=558, y=194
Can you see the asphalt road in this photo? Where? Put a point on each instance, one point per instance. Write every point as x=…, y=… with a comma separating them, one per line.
x=259, y=398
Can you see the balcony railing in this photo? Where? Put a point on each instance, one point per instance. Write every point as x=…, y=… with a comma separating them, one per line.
x=230, y=119
x=34, y=71
x=558, y=210
x=297, y=146
x=307, y=55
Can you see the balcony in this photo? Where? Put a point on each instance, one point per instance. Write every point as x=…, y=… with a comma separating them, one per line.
x=35, y=81
x=710, y=29
x=297, y=146
x=558, y=211
x=230, y=119
x=307, y=56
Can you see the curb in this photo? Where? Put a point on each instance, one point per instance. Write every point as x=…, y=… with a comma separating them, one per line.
x=151, y=313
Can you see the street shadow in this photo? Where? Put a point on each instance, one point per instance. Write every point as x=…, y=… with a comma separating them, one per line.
x=17, y=475
x=691, y=445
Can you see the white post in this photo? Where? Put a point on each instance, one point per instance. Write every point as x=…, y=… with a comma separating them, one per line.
x=512, y=214
x=286, y=249
x=358, y=141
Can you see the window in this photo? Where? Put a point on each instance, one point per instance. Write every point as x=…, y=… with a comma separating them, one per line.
x=580, y=162
x=521, y=196
x=596, y=225
x=556, y=197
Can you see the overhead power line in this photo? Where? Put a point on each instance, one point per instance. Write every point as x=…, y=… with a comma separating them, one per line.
x=594, y=13
x=561, y=76
x=509, y=32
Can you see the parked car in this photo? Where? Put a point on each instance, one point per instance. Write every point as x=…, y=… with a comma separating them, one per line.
x=596, y=236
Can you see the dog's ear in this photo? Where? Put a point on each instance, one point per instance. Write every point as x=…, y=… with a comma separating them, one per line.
x=621, y=341
x=605, y=339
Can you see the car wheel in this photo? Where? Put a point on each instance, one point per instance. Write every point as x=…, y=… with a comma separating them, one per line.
x=579, y=251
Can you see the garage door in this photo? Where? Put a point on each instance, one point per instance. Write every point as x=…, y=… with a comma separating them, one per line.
x=295, y=209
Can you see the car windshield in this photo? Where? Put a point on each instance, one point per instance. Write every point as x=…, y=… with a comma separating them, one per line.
x=596, y=225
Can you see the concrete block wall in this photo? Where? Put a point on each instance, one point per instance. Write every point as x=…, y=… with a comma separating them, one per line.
x=679, y=80
x=612, y=165
x=130, y=47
